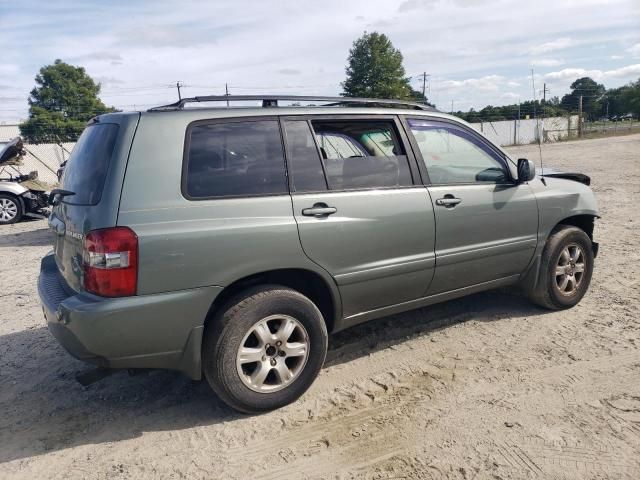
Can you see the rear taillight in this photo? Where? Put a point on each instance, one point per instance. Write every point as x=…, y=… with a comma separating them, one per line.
x=111, y=262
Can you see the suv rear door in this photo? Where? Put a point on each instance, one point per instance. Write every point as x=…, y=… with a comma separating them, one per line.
x=94, y=173
x=486, y=222
x=361, y=211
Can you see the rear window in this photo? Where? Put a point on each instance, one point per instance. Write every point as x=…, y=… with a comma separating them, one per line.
x=87, y=167
x=236, y=158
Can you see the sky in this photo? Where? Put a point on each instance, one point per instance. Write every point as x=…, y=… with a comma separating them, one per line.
x=476, y=52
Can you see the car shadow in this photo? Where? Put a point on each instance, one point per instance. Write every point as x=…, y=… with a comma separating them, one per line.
x=363, y=339
x=58, y=413
x=33, y=238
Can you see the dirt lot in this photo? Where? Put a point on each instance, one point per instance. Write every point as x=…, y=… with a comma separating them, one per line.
x=485, y=387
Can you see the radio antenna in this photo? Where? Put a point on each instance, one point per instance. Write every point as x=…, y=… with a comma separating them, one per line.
x=535, y=116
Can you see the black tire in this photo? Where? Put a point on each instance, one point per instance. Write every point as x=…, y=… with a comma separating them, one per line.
x=8, y=199
x=547, y=292
x=226, y=333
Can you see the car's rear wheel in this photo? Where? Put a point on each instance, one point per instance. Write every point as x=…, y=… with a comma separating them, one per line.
x=10, y=209
x=264, y=348
x=565, y=269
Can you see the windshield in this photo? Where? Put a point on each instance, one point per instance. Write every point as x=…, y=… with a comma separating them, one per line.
x=87, y=167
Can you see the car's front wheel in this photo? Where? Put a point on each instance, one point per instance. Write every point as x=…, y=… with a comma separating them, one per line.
x=565, y=269
x=264, y=348
x=10, y=209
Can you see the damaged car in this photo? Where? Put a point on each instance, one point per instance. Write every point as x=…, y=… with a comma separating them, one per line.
x=21, y=195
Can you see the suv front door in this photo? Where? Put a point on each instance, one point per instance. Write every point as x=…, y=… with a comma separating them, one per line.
x=486, y=222
x=360, y=214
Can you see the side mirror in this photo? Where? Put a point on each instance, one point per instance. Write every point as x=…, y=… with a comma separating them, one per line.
x=526, y=170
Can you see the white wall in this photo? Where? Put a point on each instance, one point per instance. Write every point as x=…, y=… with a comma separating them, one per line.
x=514, y=132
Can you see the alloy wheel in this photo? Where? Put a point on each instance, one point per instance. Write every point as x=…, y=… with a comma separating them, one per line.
x=8, y=209
x=570, y=269
x=273, y=353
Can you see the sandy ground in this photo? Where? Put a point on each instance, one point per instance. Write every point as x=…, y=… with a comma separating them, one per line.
x=484, y=387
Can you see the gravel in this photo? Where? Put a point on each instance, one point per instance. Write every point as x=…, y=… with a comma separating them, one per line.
x=488, y=386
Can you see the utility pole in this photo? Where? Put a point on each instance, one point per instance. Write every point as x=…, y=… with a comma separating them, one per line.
x=516, y=128
x=580, y=117
x=226, y=92
x=178, y=87
x=424, y=84
x=451, y=107
x=535, y=101
x=544, y=93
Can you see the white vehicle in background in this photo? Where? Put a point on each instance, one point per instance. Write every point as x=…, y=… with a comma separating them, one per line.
x=20, y=195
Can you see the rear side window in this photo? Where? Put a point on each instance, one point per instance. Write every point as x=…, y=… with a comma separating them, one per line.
x=88, y=164
x=362, y=154
x=235, y=158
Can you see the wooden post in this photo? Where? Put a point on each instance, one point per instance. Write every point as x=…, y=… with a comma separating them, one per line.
x=580, y=117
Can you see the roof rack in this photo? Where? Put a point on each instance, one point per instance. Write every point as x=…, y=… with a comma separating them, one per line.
x=272, y=101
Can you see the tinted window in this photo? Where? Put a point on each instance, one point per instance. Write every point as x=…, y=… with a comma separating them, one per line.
x=88, y=164
x=362, y=154
x=453, y=155
x=304, y=162
x=235, y=158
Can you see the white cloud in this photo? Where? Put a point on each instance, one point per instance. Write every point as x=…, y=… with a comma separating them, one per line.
x=570, y=73
x=616, y=57
x=8, y=69
x=547, y=62
x=289, y=71
x=599, y=75
x=627, y=71
x=475, y=55
x=634, y=50
x=488, y=83
x=559, y=44
x=409, y=5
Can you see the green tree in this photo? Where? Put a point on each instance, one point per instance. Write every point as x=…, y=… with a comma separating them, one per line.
x=591, y=93
x=61, y=103
x=375, y=70
x=417, y=96
x=624, y=100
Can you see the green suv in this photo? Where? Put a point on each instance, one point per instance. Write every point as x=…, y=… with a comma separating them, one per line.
x=229, y=242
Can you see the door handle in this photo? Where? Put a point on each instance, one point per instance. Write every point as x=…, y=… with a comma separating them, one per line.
x=319, y=210
x=449, y=201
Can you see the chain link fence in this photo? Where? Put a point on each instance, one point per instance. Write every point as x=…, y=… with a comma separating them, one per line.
x=44, y=158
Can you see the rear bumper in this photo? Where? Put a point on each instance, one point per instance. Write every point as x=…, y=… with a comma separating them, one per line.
x=162, y=330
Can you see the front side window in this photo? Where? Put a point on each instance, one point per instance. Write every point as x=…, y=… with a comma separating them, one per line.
x=362, y=154
x=235, y=158
x=453, y=155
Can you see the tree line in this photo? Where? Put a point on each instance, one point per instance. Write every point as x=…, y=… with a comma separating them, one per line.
x=66, y=97
x=598, y=103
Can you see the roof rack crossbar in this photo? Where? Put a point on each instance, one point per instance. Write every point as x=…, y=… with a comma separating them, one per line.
x=272, y=101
